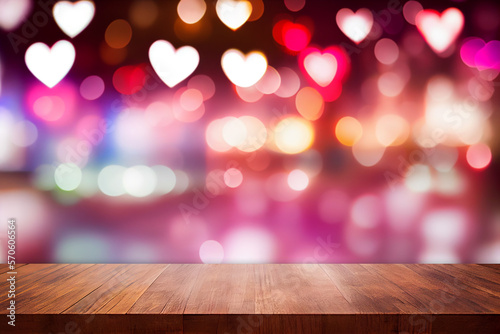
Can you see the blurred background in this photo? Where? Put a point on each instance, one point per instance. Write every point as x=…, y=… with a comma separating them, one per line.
x=394, y=161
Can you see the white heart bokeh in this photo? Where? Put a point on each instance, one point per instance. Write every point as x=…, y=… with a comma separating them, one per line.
x=241, y=70
x=233, y=13
x=50, y=65
x=440, y=31
x=73, y=17
x=171, y=65
x=357, y=25
x=321, y=67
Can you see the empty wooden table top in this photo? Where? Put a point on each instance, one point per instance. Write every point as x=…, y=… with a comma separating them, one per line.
x=254, y=298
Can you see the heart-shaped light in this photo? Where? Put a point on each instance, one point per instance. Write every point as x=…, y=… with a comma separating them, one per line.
x=13, y=12
x=50, y=65
x=325, y=70
x=241, y=70
x=73, y=17
x=321, y=67
x=295, y=36
x=233, y=13
x=440, y=31
x=357, y=25
x=171, y=65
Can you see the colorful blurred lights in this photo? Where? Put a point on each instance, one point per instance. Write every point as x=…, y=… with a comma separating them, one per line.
x=256, y=134
x=129, y=79
x=298, y=180
x=366, y=211
x=92, y=87
x=348, y=131
x=295, y=36
x=479, y=156
x=270, y=82
x=118, y=34
x=386, y=51
x=24, y=133
x=139, y=181
x=211, y=251
x=390, y=84
x=191, y=99
x=234, y=131
x=419, y=178
x=233, y=177
x=249, y=245
x=309, y=103
x=110, y=180
x=293, y=135
x=191, y=11
x=392, y=130
x=295, y=5
x=68, y=176
x=166, y=179
x=49, y=108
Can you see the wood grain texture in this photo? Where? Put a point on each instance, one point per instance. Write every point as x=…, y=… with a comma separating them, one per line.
x=259, y=298
x=295, y=288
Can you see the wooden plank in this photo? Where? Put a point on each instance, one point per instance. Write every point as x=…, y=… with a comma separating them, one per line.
x=291, y=298
x=27, y=270
x=244, y=324
x=479, y=277
x=466, y=324
x=135, y=287
x=297, y=289
x=491, y=266
x=169, y=293
x=57, y=296
x=223, y=289
x=43, y=275
x=32, y=277
x=140, y=276
x=94, y=323
x=4, y=267
x=369, y=292
x=435, y=295
x=465, y=295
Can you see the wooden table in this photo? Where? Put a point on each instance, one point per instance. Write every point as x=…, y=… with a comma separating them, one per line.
x=259, y=298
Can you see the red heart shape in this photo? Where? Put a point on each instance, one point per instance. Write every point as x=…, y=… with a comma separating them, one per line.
x=294, y=36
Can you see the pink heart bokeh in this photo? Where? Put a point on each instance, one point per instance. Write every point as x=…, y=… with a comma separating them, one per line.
x=331, y=91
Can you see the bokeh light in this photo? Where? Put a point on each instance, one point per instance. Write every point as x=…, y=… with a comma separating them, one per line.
x=233, y=178
x=143, y=13
x=374, y=136
x=139, y=181
x=309, y=103
x=386, y=51
x=191, y=11
x=68, y=176
x=118, y=34
x=92, y=87
x=410, y=11
x=295, y=5
x=293, y=135
x=348, y=131
x=298, y=180
x=479, y=156
x=290, y=82
x=270, y=82
x=211, y=251
x=110, y=180
x=249, y=245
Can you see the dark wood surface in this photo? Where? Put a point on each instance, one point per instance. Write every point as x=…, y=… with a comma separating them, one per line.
x=257, y=298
